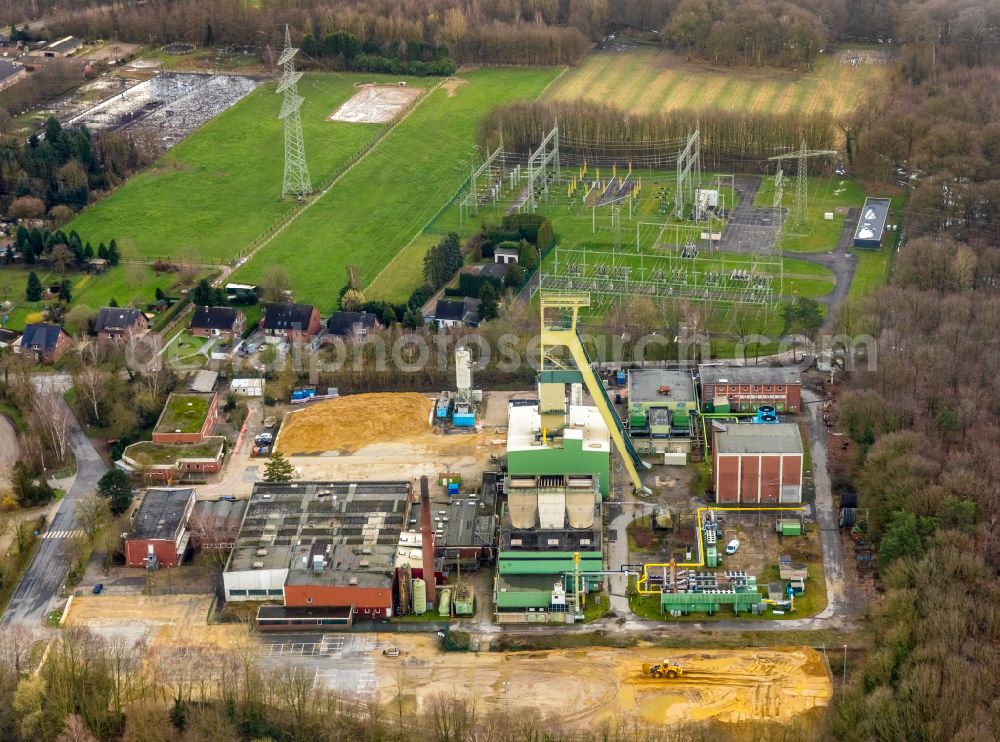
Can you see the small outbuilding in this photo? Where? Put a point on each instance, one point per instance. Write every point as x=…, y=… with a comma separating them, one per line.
x=871, y=223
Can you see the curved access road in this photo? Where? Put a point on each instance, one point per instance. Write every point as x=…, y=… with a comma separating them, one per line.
x=37, y=593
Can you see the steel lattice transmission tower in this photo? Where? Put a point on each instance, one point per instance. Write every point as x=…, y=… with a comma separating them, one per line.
x=296, y=181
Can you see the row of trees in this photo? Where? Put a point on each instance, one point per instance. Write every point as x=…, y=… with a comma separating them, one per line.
x=347, y=52
x=60, y=250
x=737, y=32
x=603, y=133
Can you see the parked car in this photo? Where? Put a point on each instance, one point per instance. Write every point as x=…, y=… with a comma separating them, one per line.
x=98, y=588
x=733, y=546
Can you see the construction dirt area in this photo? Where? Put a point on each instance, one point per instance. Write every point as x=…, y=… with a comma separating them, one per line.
x=731, y=686
x=162, y=621
x=608, y=685
x=387, y=436
x=376, y=104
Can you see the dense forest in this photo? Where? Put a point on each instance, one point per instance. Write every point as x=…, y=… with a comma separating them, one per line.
x=731, y=32
x=58, y=173
x=925, y=421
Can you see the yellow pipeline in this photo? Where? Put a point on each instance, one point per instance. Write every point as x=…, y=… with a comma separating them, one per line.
x=644, y=577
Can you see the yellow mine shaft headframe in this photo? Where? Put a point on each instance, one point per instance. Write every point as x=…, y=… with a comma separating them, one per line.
x=561, y=333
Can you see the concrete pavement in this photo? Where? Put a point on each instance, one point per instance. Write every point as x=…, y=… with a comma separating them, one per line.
x=36, y=595
x=826, y=515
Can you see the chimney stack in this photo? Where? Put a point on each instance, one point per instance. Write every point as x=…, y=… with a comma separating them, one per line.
x=427, y=540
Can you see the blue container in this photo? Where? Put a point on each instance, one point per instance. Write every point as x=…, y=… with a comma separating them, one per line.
x=453, y=488
x=463, y=420
x=620, y=378
x=442, y=410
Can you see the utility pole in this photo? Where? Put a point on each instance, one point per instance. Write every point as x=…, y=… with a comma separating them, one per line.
x=296, y=181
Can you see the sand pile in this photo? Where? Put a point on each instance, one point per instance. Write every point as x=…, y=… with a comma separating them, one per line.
x=353, y=422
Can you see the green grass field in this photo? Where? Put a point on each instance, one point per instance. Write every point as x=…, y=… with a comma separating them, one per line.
x=133, y=284
x=573, y=222
x=826, y=195
x=391, y=195
x=220, y=188
x=647, y=80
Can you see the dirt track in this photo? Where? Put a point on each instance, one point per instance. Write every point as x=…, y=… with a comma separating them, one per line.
x=728, y=686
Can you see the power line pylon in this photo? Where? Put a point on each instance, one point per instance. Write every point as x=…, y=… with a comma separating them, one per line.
x=797, y=217
x=296, y=181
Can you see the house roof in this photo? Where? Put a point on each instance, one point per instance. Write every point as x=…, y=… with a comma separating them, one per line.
x=214, y=318
x=342, y=323
x=65, y=45
x=42, y=336
x=116, y=318
x=510, y=251
x=764, y=439
x=160, y=513
x=749, y=375
x=287, y=316
x=8, y=69
x=645, y=385
x=466, y=310
x=496, y=270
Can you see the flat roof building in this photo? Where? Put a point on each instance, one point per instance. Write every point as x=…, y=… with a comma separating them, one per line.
x=320, y=544
x=747, y=388
x=187, y=418
x=159, y=534
x=547, y=520
x=871, y=223
x=757, y=463
x=583, y=446
x=660, y=403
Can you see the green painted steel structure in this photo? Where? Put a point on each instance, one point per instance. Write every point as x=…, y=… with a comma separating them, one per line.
x=741, y=602
x=571, y=458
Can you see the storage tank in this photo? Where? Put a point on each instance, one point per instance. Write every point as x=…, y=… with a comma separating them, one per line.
x=444, y=604
x=463, y=371
x=419, y=596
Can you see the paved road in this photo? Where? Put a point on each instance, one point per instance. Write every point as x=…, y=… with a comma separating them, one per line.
x=38, y=590
x=826, y=514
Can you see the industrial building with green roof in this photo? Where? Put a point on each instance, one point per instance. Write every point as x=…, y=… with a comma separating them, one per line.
x=582, y=446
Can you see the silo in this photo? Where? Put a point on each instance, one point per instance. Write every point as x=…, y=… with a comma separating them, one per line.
x=419, y=596
x=463, y=372
x=444, y=604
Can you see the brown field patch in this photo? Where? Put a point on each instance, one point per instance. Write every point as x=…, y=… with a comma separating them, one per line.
x=376, y=104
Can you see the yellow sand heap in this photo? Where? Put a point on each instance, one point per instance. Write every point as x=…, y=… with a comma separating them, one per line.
x=353, y=422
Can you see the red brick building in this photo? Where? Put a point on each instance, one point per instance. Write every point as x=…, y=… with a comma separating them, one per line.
x=159, y=529
x=46, y=342
x=187, y=418
x=224, y=323
x=294, y=322
x=745, y=388
x=757, y=463
x=362, y=582
x=120, y=323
